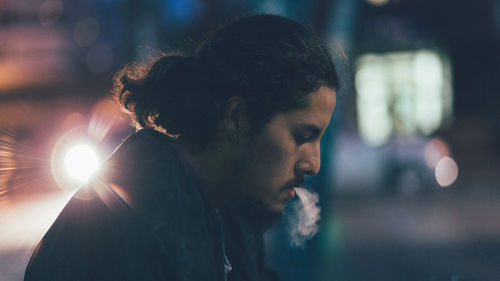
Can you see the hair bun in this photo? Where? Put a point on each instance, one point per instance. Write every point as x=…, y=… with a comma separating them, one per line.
x=146, y=90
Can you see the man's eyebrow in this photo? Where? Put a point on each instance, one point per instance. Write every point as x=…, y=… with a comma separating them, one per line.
x=313, y=129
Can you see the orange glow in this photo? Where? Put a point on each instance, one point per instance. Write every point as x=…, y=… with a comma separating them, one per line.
x=378, y=2
x=37, y=61
x=120, y=191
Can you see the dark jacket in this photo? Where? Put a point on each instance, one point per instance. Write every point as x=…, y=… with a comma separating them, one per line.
x=142, y=217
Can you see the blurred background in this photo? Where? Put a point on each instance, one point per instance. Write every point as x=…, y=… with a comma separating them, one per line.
x=409, y=180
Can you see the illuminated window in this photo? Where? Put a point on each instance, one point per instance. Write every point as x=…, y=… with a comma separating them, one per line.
x=402, y=92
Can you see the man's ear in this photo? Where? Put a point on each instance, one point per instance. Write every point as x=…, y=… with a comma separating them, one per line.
x=235, y=119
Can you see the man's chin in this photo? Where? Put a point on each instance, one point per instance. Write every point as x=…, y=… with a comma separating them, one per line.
x=261, y=215
x=270, y=217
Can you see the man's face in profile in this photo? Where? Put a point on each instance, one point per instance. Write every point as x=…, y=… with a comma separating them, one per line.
x=282, y=153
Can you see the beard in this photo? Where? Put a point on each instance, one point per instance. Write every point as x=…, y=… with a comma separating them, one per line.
x=244, y=197
x=256, y=213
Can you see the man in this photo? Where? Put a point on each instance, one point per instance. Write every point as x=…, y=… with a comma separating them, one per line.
x=225, y=136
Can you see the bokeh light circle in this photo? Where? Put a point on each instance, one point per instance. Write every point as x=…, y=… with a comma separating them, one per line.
x=446, y=171
x=86, y=32
x=50, y=11
x=435, y=149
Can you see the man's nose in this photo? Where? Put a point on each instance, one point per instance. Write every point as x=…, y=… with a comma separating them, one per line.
x=310, y=162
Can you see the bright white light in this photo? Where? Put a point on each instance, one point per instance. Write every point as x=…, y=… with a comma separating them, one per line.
x=80, y=162
x=446, y=171
x=404, y=92
x=372, y=100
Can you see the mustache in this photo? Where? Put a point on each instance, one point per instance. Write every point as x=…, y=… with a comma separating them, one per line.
x=296, y=182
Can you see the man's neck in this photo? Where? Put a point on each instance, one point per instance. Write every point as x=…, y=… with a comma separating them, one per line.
x=207, y=167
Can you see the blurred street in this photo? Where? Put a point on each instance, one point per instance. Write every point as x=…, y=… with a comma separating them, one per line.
x=449, y=236
x=18, y=240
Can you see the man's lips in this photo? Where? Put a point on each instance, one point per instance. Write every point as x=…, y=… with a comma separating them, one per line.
x=289, y=188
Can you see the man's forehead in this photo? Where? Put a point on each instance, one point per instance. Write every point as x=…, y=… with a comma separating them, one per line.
x=316, y=114
x=308, y=120
x=314, y=110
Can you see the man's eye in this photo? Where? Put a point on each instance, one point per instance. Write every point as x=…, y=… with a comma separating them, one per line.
x=300, y=139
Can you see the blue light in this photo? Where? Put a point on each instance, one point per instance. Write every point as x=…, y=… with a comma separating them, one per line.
x=181, y=11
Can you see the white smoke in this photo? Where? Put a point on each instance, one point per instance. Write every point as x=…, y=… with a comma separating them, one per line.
x=304, y=217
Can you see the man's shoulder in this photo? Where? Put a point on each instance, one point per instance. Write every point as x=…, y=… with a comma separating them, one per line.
x=146, y=143
x=109, y=221
x=146, y=154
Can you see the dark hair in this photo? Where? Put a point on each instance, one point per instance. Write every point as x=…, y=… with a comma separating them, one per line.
x=270, y=61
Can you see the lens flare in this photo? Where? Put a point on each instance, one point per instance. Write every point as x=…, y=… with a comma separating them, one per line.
x=106, y=117
x=8, y=163
x=72, y=120
x=80, y=162
x=74, y=158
